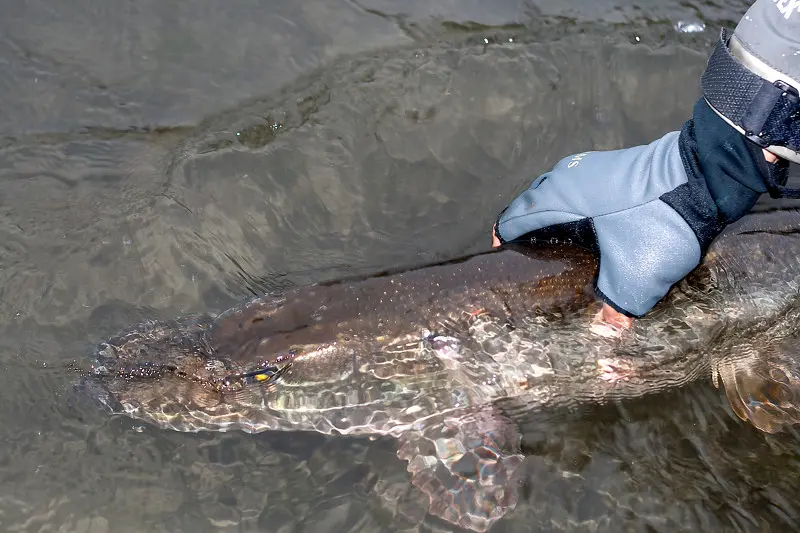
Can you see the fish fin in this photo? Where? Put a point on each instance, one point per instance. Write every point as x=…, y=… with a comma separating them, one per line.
x=465, y=461
x=761, y=384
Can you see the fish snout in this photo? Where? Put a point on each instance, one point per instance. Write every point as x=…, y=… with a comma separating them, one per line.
x=105, y=359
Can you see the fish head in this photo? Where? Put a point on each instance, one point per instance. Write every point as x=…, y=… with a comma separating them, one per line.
x=247, y=370
x=169, y=375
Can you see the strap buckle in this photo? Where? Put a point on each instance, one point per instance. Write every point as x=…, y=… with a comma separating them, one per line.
x=771, y=104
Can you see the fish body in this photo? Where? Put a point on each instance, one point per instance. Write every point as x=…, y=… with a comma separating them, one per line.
x=442, y=357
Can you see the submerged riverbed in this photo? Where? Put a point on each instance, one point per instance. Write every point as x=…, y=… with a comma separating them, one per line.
x=168, y=158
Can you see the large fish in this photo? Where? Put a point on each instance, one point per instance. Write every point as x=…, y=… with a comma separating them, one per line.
x=443, y=357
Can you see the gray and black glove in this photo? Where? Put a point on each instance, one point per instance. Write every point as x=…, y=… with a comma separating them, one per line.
x=611, y=202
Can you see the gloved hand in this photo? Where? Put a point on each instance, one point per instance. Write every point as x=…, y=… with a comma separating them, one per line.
x=608, y=322
x=650, y=212
x=613, y=203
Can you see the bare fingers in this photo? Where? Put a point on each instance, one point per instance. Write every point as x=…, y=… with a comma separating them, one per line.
x=610, y=323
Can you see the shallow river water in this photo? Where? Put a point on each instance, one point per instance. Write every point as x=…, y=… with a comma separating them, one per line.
x=167, y=157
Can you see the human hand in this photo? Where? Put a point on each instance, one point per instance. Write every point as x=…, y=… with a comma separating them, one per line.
x=609, y=322
x=495, y=240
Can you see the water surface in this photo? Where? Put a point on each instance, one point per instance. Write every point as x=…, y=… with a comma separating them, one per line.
x=159, y=158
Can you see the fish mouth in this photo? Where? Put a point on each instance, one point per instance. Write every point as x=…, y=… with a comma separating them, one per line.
x=168, y=374
x=203, y=369
x=155, y=350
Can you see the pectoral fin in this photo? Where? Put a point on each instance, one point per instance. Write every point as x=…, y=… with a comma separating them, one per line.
x=465, y=462
x=761, y=383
